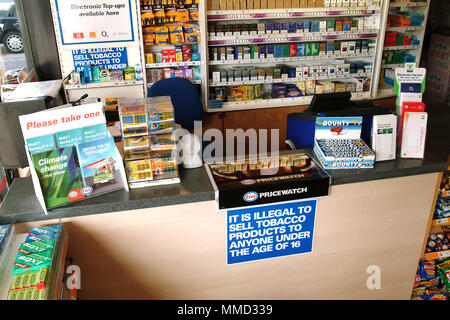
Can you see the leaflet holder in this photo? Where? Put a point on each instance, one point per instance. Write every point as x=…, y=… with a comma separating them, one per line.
x=301, y=125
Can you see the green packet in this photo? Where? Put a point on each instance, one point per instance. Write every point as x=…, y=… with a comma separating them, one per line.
x=28, y=294
x=37, y=246
x=31, y=262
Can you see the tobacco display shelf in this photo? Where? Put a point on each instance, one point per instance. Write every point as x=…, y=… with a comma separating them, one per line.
x=392, y=66
x=290, y=59
x=404, y=29
x=293, y=37
x=408, y=4
x=173, y=64
x=402, y=47
x=193, y=81
x=282, y=80
x=103, y=84
x=275, y=103
x=418, y=31
x=291, y=13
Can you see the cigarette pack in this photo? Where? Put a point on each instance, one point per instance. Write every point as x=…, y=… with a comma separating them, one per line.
x=383, y=138
x=414, y=134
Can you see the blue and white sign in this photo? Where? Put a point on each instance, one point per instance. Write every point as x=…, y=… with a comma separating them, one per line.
x=94, y=21
x=108, y=58
x=270, y=231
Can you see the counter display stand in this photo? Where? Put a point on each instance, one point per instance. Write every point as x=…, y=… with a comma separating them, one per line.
x=403, y=40
x=55, y=289
x=263, y=58
x=150, y=152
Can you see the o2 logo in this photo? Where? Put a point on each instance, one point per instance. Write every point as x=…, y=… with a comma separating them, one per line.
x=250, y=196
x=248, y=181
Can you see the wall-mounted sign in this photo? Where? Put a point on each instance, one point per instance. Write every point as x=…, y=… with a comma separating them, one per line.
x=108, y=58
x=270, y=231
x=94, y=21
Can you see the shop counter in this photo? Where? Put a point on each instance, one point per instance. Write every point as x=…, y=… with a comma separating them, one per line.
x=169, y=242
x=21, y=205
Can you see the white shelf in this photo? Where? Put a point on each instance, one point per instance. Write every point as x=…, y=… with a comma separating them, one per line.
x=393, y=66
x=407, y=4
x=173, y=64
x=403, y=29
x=103, y=84
x=151, y=183
x=290, y=59
x=276, y=103
x=402, y=47
x=283, y=80
x=291, y=13
x=292, y=37
x=193, y=81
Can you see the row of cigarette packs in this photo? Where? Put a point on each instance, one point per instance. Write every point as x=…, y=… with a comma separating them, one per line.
x=305, y=49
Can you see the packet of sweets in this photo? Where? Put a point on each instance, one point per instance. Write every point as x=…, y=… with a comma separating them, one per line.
x=427, y=269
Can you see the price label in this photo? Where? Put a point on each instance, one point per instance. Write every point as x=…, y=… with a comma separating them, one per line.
x=441, y=221
x=444, y=254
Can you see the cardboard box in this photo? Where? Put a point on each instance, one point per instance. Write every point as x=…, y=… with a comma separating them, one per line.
x=414, y=134
x=383, y=137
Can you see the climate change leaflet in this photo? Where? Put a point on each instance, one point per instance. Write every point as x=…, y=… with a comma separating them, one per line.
x=71, y=154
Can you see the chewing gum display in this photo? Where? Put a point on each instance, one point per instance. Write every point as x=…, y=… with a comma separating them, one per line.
x=338, y=145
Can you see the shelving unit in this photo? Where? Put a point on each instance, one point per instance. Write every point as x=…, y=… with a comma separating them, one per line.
x=388, y=52
x=276, y=103
x=155, y=68
x=359, y=30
